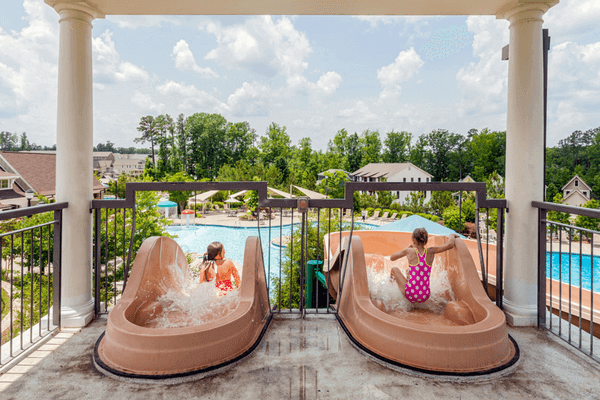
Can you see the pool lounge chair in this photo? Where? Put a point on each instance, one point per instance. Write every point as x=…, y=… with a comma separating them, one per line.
x=393, y=217
x=385, y=216
x=375, y=216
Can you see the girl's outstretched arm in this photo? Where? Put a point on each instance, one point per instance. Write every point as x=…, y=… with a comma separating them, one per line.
x=446, y=246
x=400, y=254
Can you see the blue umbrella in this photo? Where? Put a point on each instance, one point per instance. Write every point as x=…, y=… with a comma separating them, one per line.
x=413, y=222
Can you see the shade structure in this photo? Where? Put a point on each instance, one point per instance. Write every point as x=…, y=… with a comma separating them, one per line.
x=311, y=194
x=167, y=204
x=202, y=197
x=280, y=193
x=240, y=193
x=413, y=222
x=233, y=201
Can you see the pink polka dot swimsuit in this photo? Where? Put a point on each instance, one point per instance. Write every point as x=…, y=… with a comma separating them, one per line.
x=417, y=287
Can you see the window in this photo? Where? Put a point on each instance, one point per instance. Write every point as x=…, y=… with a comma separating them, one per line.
x=585, y=193
x=419, y=179
x=576, y=182
x=4, y=184
x=427, y=179
x=568, y=191
x=404, y=180
x=412, y=179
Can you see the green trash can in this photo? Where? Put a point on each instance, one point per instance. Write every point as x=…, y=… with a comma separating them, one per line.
x=313, y=267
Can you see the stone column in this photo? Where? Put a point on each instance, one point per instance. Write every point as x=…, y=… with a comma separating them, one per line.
x=524, y=159
x=74, y=159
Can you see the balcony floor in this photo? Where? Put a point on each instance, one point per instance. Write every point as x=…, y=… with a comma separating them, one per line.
x=302, y=359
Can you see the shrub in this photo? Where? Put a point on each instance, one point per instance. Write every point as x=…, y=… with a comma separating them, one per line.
x=370, y=211
x=396, y=206
x=451, y=218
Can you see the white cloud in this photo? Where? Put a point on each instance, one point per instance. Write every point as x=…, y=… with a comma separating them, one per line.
x=569, y=19
x=146, y=104
x=328, y=83
x=359, y=114
x=185, y=61
x=108, y=67
x=374, y=20
x=406, y=65
x=484, y=82
x=141, y=21
x=29, y=73
x=251, y=99
x=190, y=98
x=262, y=46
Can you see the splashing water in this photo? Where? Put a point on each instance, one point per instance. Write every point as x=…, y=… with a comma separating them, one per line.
x=384, y=289
x=195, y=304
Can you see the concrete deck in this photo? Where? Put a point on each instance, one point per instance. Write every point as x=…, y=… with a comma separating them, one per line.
x=302, y=359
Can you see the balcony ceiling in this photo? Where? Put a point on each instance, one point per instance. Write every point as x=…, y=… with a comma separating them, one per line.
x=298, y=7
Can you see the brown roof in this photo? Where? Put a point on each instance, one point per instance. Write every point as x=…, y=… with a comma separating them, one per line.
x=39, y=170
x=6, y=174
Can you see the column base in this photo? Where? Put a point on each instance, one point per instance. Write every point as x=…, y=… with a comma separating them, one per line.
x=78, y=316
x=520, y=315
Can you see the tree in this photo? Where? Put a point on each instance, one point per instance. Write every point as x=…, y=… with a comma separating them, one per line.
x=397, y=147
x=240, y=139
x=371, y=147
x=207, y=134
x=440, y=145
x=275, y=144
x=334, y=184
x=440, y=201
x=354, y=151
x=179, y=197
x=558, y=216
x=486, y=152
x=148, y=130
x=416, y=202
x=588, y=222
x=24, y=142
x=182, y=141
x=108, y=146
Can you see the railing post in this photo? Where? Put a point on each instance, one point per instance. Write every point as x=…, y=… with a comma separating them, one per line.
x=97, y=256
x=542, y=268
x=56, y=273
x=499, y=257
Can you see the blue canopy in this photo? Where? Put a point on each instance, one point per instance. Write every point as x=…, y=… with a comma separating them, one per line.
x=413, y=222
x=167, y=203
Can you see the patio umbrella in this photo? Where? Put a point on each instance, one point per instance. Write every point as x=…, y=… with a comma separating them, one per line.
x=166, y=204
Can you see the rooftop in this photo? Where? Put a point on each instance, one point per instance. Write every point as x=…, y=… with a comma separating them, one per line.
x=303, y=359
x=376, y=170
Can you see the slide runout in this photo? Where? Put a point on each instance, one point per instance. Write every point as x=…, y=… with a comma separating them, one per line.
x=131, y=348
x=477, y=340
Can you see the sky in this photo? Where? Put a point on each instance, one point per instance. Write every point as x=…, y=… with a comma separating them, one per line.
x=312, y=74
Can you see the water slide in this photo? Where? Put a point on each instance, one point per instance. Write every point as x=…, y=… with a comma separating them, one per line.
x=468, y=338
x=132, y=347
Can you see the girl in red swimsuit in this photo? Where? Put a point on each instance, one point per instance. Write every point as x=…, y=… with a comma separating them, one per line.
x=216, y=267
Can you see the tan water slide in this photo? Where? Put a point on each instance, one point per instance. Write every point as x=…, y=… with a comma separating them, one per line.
x=469, y=338
x=130, y=348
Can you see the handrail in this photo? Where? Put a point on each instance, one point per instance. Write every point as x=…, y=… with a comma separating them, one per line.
x=586, y=212
x=28, y=211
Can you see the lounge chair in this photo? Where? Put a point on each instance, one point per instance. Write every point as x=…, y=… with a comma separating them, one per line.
x=385, y=216
x=393, y=217
x=404, y=216
x=375, y=216
x=348, y=213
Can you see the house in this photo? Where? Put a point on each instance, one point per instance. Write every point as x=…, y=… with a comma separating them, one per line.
x=576, y=192
x=321, y=176
x=468, y=179
x=129, y=164
x=103, y=162
x=393, y=172
x=35, y=171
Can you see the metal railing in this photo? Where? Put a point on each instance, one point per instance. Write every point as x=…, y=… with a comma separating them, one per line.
x=31, y=276
x=296, y=282
x=566, y=277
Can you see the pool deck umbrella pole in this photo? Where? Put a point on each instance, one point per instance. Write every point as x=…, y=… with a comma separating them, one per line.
x=524, y=129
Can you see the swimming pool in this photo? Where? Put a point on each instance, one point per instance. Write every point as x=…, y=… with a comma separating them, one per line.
x=196, y=239
x=562, y=270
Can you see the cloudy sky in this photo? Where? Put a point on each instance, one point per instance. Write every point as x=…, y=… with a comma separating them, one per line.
x=314, y=75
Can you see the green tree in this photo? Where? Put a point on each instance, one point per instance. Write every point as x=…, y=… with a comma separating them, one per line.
x=440, y=201
x=208, y=133
x=416, y=202
x=148, y=131
x=334, y=184
x=588, y=222
x=397, y=147
x=179, y=197
x=275, y=144
x=371, y=147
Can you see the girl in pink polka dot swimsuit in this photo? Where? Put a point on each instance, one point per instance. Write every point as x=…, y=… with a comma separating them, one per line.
x=420, y=259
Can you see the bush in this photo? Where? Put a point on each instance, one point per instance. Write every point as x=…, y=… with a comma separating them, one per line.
x=396, y=206
x=370, y=211
x=387, y=210
x=451, y=218
x=219, y=203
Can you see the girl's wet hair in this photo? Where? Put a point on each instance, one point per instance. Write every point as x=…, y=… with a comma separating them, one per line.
x=420, y=235
x=212, y=251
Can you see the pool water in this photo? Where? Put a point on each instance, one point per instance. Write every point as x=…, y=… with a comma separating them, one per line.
x=197, y=238
x=561, y=270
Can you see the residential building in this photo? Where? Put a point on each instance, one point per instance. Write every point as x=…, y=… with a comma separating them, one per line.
x=103, y=162
x=36, y=171
x=129, y=164
x=576, y=192
x=393, y=172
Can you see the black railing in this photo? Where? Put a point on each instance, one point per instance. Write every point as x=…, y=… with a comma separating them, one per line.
x=297, y=284
x=31, y=276
x=566, y=292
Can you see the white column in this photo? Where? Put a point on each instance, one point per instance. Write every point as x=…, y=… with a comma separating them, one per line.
x=74, y=160
x=524, y=160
